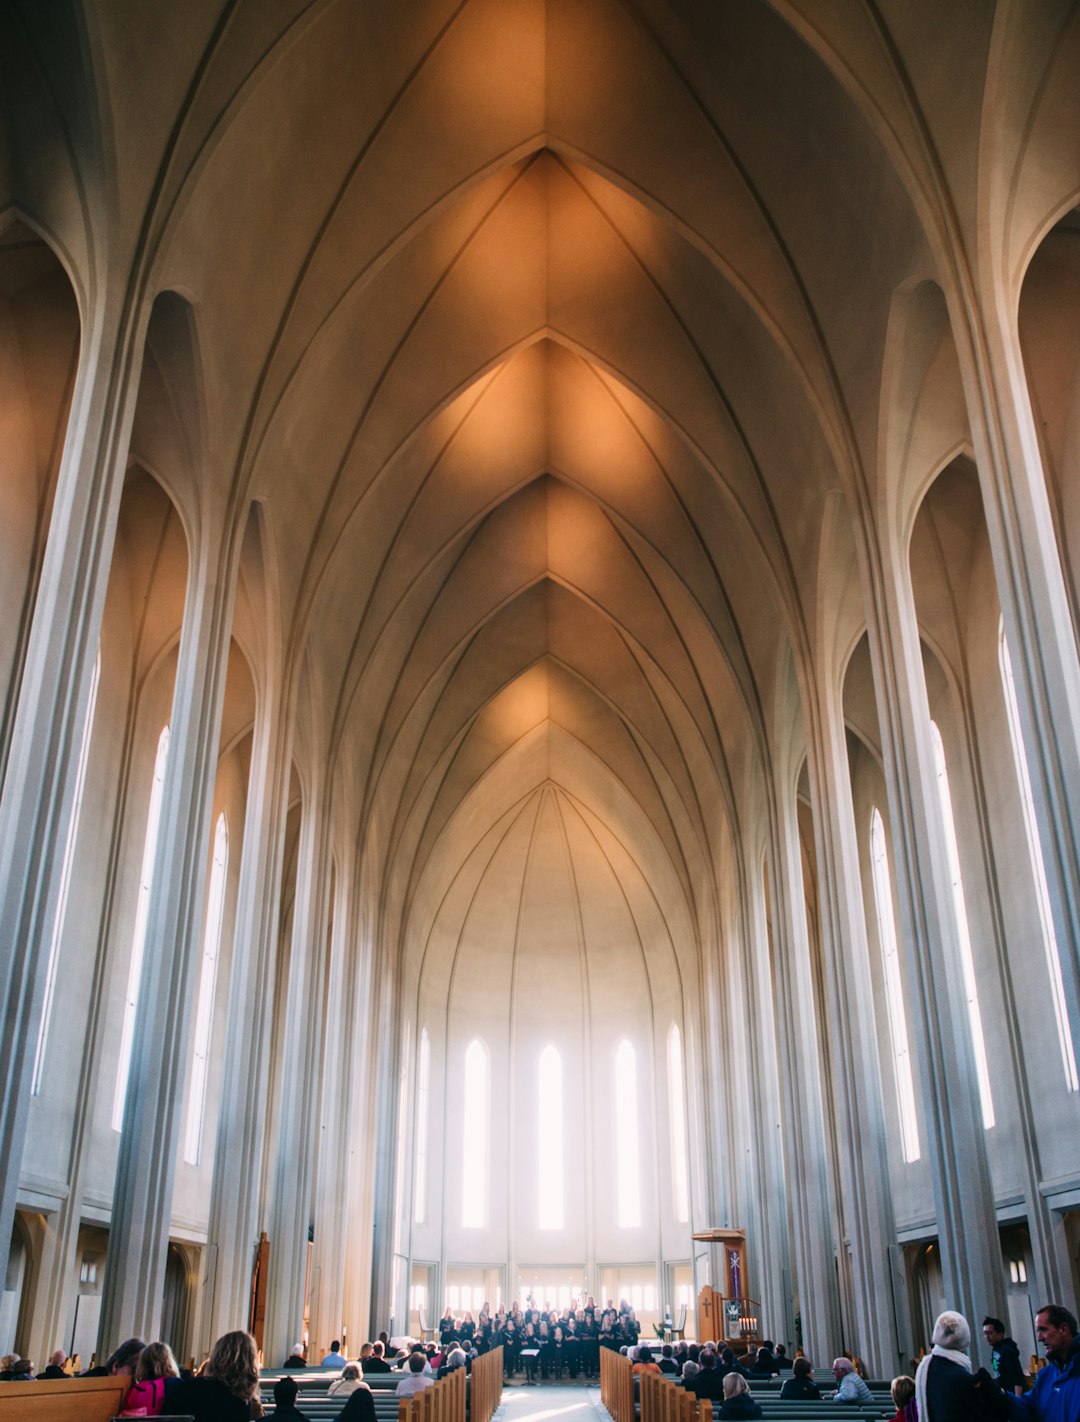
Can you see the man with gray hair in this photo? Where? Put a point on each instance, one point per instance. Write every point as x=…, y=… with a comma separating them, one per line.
x=849, y=1386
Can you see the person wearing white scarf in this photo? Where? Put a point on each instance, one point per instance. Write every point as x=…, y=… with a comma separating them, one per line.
x=946, y=1387
x=952, y=1338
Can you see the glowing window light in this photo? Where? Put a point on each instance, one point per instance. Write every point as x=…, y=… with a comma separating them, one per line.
x=894, y=992
x=627, y=1168
x=967, y=960
x=677, y=1109
x=65, y=884
x=474, y=1170
x=204, y=1012
x=138, y=942
x=1038, y=869
x=550, y=1139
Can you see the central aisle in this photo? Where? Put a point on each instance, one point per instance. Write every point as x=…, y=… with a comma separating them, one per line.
x=552, y=1402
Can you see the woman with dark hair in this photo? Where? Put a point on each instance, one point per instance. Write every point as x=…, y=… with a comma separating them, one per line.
x=226, y=1389
x=359, y=1408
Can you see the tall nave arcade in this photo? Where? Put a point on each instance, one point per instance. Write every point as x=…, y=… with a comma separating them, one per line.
x=540, y=699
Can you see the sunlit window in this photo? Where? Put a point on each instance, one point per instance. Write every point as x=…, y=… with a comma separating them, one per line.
x=138, y=941
x=423, y=1093
x=627, y=1167
x=1038, y=869
x=65, y=882
x=894, y=992
x=204, y=1011
x=477, y=1113
x=677, y=1110
x=550, y=1139
x=967, y=960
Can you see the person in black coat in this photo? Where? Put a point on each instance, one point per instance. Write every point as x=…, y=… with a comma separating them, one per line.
x=801, y=1386
x=738, y=1404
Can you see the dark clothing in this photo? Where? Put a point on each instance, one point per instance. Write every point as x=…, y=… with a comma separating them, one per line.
x=375, y=1365
x=1008, y=1369
x=708, y=1383
x=955, y=1395
x=294, y=1360
x=285, y=1414
x=52, y=1371
x=741, y=1406
x=668, y=1365
x=205, y=1399
x=800, y=1389
x=359, y=1408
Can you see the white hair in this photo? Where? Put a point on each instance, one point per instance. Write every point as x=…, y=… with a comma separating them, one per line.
x=843, y=1365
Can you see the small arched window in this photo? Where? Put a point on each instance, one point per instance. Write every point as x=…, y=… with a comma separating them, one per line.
x=677, y=1109
x=204, y=1011
x=549, y=1139
x=894, y=991
x=627, y=1156
x=65, y=882
x=967, y=958
x=423, y=1095
x=1038, y=869
x=476, y=1136
x=138, y=938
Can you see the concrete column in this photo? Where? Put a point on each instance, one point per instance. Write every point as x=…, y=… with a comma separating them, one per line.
x=294, y=1165
x=142, y=1197
x=1035, y=604
x=867, y=1217
x=37, y=797
x=235, y=1200
x=971, y=1259
x=807, y=1176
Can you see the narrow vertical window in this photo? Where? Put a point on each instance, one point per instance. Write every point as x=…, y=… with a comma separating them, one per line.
x=204, y=1011
x=627, y=1166
x=65, y=883
x=677, y=1108
x=477, y=1112
x=423, y=1092
x=1038, y=869
x=138, y=942
x=894, y=992
x=967, y=960
x=550, y=1139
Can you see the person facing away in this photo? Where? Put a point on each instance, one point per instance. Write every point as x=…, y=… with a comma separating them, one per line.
x=335, y=1358
x=849, y=1386
x=737, y=1402
x=645, y=1362
x=417, y=1378
x=55, y=1368
x=347, y=1383
x=296, y=1358
x=1004, y=1357
x=226, y=1389
x=377, y=1362
x=667, y=1362
x=902, y=1391
x=155, y=1370
x=946, y=1387
x=1055, y=1393
x=801, y=1385
x=285, y=1409
x=708, y=1383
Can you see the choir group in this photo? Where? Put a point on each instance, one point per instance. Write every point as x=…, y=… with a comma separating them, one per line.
x=545, y=1340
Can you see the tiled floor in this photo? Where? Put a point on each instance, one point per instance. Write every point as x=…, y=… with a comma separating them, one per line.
x=552, y=1402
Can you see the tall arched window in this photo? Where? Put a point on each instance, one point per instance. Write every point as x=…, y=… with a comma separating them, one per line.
x=138, y=940
x=627, y=1162
x=65, y=882
x=677, y=1107
x=204, y=1011
x=475, y=1136
x=894, y=992
x=550, y=1139
x=423, y=1094
x=1038, y=869
x=967, y=960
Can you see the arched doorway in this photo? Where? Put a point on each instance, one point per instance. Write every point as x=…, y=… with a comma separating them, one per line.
x=176, y=1302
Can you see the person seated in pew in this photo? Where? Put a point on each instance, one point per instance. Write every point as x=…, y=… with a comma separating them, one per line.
x=902, y=1390
x=801, y=1387
x=709, y=1382
x=456, y=1358
x=764, y=1364
x=783, y=1362
x=376, y=1363
x=645, y=1362
x=849, y=1385
x=347, y=1384
x=667, y=1363
x=285, y=1409
x=418, y=1378
x=690, y=1370
x=335, y=1358
x=155, y=1371
x=359, y=1407
x=55, y=1368
x=121, y=1363
x=226, y=1388
x=737, y=1402
x=296, y=1358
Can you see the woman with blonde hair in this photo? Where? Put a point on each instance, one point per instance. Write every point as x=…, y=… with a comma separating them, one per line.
x=737, y=1401
x=153, y=1367
x=227, y=1388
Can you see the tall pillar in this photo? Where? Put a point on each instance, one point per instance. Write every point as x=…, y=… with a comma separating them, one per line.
x=807, y=1178
x=867, y=1214
x=235, y=1197
x=297, y=1109
x=971, y=1258
x=36, y=802
x=142, y=1196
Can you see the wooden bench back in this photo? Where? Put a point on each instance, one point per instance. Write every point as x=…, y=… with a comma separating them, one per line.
x=62, y=1399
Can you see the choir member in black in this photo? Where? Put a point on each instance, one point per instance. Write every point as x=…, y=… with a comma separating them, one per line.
x=571, y=1347
x=608, y=1336
x=529, y=1342
x=466, y=1328
x=447, y=1328
x=510, y=1347
x=587, y=1335
x=543, y=1333
x=558, y=1351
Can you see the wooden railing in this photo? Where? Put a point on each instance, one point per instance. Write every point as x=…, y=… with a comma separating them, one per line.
x=449, y=1399
x=63, y=1399
x=662, y=1401
x=617, y=1385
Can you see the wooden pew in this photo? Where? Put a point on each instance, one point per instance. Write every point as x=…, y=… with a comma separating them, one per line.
x=62, y=1399
x=617, y=1385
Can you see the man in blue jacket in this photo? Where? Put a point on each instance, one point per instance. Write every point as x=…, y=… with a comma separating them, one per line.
x=1055, y=1396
